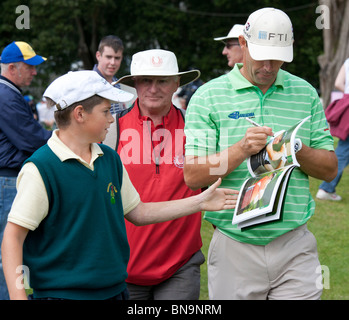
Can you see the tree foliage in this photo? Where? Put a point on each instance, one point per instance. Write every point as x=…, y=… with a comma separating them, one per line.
x=66, y=31
x=336, y=44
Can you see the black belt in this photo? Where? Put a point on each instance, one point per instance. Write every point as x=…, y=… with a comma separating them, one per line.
x=9, y=172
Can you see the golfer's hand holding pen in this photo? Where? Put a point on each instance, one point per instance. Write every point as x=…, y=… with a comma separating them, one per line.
x=298, y=142
x=255, y=138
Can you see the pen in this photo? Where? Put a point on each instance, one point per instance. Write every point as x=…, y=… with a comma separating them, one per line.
x=252, y=122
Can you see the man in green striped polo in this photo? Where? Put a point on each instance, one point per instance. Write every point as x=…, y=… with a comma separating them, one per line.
x=276, y=260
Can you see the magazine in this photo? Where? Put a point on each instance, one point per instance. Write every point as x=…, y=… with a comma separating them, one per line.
x=261, y=197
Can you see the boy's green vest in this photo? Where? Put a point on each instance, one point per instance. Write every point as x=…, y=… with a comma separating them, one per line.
x=80, y=250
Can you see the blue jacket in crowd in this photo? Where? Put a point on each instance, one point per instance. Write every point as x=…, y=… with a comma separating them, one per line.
x=20, y=133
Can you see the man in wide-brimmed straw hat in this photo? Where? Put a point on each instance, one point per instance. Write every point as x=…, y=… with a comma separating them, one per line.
x=165, y=257
x=158, y=63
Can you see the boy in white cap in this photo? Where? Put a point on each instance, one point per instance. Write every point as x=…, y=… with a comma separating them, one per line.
x=232, y=47
x=73, y=194
x=276, y=260
x=165, y=258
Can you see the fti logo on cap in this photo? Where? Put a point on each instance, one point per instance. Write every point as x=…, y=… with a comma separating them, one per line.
x=264, y=35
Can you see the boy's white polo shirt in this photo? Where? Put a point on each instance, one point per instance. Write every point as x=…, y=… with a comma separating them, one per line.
x=31, y=205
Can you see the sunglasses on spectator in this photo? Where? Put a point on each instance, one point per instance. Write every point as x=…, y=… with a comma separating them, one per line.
x=230, y=44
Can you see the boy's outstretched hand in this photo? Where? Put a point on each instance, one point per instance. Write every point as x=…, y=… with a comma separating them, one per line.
x=216, y=199
x=212, y=199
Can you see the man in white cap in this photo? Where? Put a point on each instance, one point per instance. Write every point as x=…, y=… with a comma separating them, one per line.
x=165, y=258
x=276, y=260
x=232, y=47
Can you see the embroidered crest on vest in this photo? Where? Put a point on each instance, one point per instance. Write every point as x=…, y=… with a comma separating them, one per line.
x=112, y=190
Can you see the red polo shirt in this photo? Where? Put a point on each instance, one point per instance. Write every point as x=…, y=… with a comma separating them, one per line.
x=153, y=158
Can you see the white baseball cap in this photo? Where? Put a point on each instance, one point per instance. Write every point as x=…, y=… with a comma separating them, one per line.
x=269, y=35
x=76, y=86
x=234, y=32
x=157, y=62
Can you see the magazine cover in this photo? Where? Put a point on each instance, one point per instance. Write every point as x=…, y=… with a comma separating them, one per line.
x=275, y=214
x=262, y=195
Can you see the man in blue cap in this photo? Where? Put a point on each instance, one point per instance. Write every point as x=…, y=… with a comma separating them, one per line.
x=20, y=133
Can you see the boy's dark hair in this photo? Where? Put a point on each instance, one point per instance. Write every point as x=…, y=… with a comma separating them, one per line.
x=62, y=117
x=111, y=41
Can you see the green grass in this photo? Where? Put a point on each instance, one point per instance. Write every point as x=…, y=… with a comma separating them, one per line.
x=330, y=225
